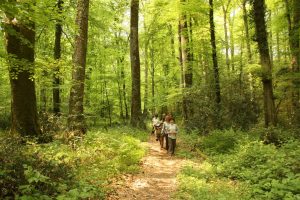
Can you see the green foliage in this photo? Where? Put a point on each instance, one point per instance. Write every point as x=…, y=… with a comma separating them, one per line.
x=57, y=170
x=219, y=142
x=272, y=173
x=275, y=135
x=200, y=182
x=247, y=169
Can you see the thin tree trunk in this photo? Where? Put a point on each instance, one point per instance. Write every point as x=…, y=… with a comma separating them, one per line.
x=225, y=10
x=278, y=47
x=135, y=65
x=57, y=56
x=180, y=54
x=145, y=112
x=241, y=74
x=295, y=48
x=152, y=78
x=43, y=93
x=245, y=18
x=185, y=32
x=124, y=94
x=231, y=28
x=107, y=103
x=120, y=100
x=262, y=40
x=295, y=36
x=21, y=62
x=172, y=42
x=215, y=61
x=76, y=120
x=271, y=39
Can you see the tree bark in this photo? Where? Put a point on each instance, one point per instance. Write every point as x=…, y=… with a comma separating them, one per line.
x=225, y=12
x=262, y=40
x=215, y=61
x=57, y=56
x=145, y=112
x=231, y=28
x=152, y=78
x=135, y=65
x=21, y=65
x=180, y=54
x=245, y=18
x=295, y=50
x=124, y=94
x=187, y=64
x=295, y=43
x=76, y=120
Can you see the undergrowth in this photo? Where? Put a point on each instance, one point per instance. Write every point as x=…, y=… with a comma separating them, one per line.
x=61, y=171
x=240, y=165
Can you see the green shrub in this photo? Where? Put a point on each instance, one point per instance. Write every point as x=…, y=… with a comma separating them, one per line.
x=219, y=142
x=275, y=135
x=60, y=171
x=273, y=173
x=201, y=182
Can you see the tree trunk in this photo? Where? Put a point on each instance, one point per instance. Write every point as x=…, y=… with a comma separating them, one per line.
x=124, y=94
x=278, y=47
x=108, y=104
x=271, y=39
x=180, y=54
x=225, y=11
x=21, y=64
x=187, y=64
x=76, y=118
x=215, y=62
x=295, y=49
x=262, y=40
x=57, y=56
x=135, y=65
x=245, y=18
x=231, y=28
x=145, y=112
x=295, y=36
x=152, y=78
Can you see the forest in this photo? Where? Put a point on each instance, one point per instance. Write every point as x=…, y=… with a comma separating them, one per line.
x=81, y=80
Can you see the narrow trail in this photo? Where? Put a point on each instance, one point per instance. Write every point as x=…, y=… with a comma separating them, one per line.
x=156, y=180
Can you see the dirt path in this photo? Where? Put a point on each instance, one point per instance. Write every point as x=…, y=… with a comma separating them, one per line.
x=157, y=179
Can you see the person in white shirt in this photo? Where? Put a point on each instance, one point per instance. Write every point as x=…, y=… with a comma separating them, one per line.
x=165, y=130
x=172, y=134
x=155, y=121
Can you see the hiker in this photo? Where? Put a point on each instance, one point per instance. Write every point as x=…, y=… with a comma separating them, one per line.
x=165, y=129
x=158, y=133
x=155, y=121
x=172, y=134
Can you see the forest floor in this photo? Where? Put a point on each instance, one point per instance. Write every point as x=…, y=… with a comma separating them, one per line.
x=156, y=179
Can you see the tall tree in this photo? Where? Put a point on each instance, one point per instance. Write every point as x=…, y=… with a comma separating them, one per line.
x=245, y=18
x=262, y=40
x=135, y=64
x=186, y=56
x=20, y=42
x=76, y=117
x=57, y=55
x=295, y=44
x=145, y=111
x=225, y=8
x=215, y=60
